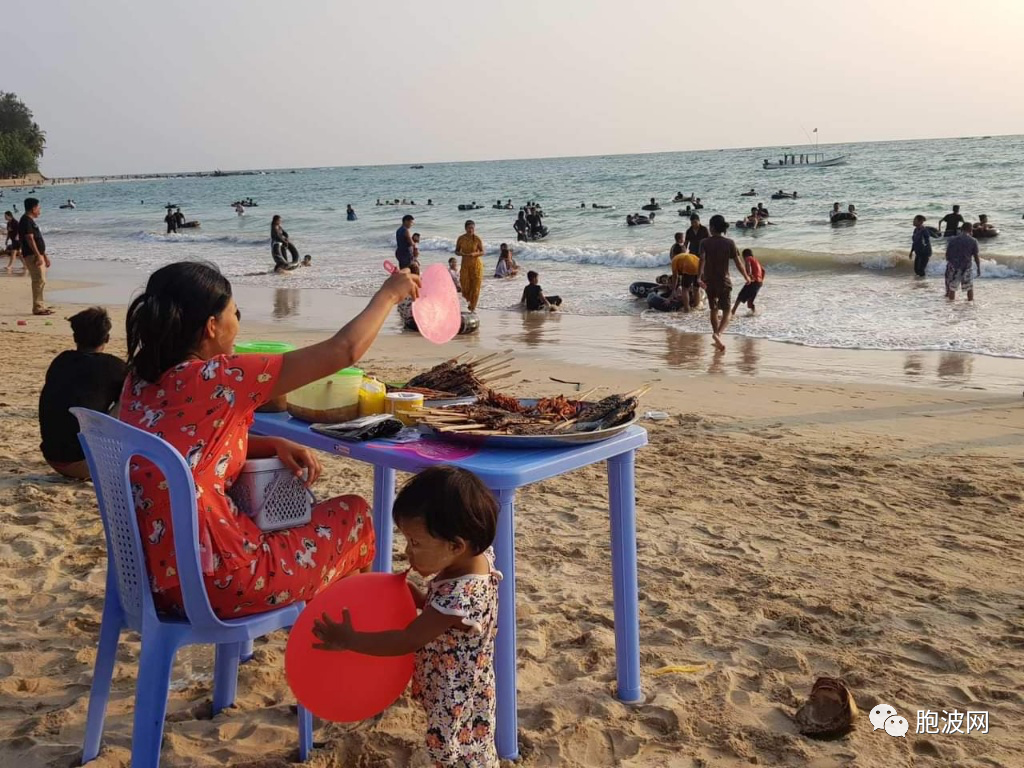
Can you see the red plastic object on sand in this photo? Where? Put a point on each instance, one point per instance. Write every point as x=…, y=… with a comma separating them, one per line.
x=345, y=686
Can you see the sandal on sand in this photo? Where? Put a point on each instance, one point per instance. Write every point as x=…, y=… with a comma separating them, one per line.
x=45, y=312
x=830, y=709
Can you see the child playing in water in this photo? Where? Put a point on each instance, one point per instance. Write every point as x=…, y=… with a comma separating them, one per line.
x=448, y=518
x=416, y=249
x=749, y=291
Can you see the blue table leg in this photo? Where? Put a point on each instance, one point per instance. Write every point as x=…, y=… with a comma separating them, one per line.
x=507, y=735
x=383, y=526
x=622, y=507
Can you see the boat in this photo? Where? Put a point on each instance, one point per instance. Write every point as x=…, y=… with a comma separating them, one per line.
x=803, y=160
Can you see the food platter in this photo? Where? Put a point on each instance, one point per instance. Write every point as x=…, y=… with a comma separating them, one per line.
x=558, y=435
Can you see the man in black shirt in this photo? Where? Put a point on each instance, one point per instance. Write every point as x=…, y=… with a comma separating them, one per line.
x=33, y=253
x=953, y=222
x=695, y=234
x=83, y=377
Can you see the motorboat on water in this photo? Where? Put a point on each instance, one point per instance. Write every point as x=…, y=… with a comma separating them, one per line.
x=803, y=160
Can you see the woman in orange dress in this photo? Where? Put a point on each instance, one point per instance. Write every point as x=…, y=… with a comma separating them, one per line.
x=186, y=386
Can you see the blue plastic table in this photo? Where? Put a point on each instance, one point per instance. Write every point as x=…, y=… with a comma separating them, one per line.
x=504, y=471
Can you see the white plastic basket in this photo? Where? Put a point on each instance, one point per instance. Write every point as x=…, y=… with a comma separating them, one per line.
x=271, y=495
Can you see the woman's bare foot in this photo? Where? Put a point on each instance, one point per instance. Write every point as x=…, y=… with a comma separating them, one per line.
x=717, y=341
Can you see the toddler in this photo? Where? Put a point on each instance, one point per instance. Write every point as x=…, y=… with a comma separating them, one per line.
x=448, y=517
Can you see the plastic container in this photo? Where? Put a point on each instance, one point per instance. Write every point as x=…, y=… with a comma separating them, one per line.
x=372, y=397
x=330, y=400
x=278, y=404
x=268, y=492
x=405, y=406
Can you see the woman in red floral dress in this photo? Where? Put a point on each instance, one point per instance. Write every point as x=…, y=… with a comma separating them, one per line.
x=187, y=387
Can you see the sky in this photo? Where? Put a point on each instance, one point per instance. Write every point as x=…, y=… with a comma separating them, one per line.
x=129, y=87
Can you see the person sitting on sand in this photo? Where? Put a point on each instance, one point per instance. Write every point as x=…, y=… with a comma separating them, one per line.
x=715, y=254
x=186, y=383
x=85, y=377
x=506, y=266
x=749, y=291
x=534, y=298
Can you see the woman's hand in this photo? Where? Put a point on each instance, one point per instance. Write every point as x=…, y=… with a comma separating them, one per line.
x=298, y=459
x=401, y=285
x=333, y=636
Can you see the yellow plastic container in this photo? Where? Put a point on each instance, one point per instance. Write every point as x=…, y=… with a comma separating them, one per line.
x=330, y=400
x=405, y=406
x=372, y=398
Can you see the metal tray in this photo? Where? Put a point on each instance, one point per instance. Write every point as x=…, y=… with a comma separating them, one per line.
x=560, y=439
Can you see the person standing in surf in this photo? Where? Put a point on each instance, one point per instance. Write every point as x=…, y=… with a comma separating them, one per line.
x=715, y=254
x=953, y=221
x=471, y=249
x=404, y=243
x=920, y=245
x=960, y=250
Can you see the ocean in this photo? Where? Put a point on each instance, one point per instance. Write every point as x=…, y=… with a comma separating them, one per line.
x=848, y=287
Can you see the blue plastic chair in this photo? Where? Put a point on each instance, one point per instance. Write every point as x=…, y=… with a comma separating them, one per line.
x=110, y=447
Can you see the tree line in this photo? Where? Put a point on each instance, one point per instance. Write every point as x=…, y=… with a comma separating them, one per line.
x=22, y=141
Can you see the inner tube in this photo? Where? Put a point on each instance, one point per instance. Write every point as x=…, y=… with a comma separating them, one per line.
x=189, y=225
x=465, y=207
x=641, y=289
x=783, y=196
x=748, y=194
x=662, y=304
x=742, y=224
x=933, y=232
x=981, y=234
x=835, y=218
x=650, y=207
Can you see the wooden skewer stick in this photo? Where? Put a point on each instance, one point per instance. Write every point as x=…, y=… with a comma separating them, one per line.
x=491, y=370
x=490, y=381
x=483, y=359
x=463, y=428
x=565, y=425
x=587, y=394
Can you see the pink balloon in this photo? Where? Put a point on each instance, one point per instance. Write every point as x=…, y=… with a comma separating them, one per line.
x=345, y=686
x=437, y=311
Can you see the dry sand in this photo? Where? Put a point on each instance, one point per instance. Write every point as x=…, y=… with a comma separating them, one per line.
x=787, y=529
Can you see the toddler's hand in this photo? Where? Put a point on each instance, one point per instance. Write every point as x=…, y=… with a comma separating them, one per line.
x=333, y=636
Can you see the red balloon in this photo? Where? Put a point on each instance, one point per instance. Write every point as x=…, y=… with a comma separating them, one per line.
x=345, y=686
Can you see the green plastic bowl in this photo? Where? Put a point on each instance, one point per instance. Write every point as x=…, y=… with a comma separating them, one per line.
x=263, y=348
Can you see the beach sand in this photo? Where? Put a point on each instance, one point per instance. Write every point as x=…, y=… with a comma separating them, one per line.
x=788, y=528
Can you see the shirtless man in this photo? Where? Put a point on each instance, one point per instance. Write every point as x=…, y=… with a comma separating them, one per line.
x=715, y=254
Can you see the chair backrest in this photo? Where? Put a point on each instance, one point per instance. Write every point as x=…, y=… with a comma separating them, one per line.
x=110, y=447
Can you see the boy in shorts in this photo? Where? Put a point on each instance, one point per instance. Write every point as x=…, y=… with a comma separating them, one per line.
x=749, y=291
